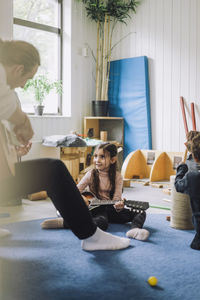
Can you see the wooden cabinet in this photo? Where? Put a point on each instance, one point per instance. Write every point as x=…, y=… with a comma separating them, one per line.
x=113, y=125
x=74, y=159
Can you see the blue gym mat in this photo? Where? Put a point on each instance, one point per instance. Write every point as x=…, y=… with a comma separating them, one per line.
x=129, y=98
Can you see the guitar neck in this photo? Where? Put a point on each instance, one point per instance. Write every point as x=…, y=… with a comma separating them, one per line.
x=103, y=202
x=133, y=204
x=136, y=205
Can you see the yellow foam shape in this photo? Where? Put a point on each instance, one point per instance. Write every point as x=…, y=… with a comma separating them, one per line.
x=162, y=168
x=135, y=166
x=153, y=164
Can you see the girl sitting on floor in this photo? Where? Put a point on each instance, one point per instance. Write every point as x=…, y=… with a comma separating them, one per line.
x=105, y=182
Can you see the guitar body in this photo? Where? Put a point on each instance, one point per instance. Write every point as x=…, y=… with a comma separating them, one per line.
x=8, y=155
x=138, y=206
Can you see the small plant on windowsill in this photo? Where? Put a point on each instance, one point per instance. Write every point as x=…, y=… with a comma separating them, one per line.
x=41, y=86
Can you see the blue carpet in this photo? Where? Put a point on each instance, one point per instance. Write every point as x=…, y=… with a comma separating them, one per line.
x=49, y=264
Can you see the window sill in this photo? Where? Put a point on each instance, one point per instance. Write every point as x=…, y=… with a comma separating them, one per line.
x=48, y=116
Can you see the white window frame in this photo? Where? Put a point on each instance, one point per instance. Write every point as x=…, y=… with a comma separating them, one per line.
x=52, y=29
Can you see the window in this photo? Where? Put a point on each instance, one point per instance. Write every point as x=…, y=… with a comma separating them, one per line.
x=40, y=23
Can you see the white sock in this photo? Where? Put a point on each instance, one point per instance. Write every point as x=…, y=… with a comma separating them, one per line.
x=102, y=240
x=52, y=223
x=138, y=234
x=4, y=232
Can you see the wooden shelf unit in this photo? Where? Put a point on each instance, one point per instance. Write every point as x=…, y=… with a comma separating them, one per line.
x=113, y=125
x=74, y=158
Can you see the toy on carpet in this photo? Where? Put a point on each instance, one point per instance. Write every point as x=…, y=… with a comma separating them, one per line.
x=42, y=195
x=152, y=280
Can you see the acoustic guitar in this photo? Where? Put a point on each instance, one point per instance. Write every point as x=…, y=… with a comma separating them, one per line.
x=8, y=154
x=134, y=205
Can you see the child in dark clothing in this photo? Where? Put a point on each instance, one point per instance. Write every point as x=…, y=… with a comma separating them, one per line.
x=190, y=162
x=188, y=182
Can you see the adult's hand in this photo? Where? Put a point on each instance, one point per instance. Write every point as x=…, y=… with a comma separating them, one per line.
x=24, y=132
x=22, y=126
x=24, y=149
x=85, y=200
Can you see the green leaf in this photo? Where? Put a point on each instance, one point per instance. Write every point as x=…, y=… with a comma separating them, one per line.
x=41, y=86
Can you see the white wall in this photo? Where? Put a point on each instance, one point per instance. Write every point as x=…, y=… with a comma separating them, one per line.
x=168, y=33
x=6, y=19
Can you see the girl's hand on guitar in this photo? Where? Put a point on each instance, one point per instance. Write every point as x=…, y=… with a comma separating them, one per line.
x=86, y=200
x=24, y=132
x=24, y=149
x=119, y=205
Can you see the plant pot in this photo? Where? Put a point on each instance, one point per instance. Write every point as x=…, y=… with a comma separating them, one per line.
x=100, y=108
x=39, y=110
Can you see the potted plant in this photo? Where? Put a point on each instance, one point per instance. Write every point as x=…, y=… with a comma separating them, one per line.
x=41, y=86
x=106, y=14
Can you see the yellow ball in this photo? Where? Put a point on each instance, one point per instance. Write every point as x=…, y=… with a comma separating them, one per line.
x=152, y=280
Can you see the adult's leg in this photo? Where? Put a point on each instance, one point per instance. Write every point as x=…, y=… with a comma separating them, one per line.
x=52, y=175
x=100, y=217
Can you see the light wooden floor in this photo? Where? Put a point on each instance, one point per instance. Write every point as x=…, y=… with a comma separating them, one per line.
x=30, y=210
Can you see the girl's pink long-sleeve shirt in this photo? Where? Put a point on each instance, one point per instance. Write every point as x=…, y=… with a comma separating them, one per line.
x=104, y=186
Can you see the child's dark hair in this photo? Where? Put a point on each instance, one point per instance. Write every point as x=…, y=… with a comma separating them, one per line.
x=112, y=151
x=190, y=135
x=195, y=146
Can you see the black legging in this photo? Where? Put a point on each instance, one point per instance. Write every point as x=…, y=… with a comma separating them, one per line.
x=104, y=215
x=52, y=175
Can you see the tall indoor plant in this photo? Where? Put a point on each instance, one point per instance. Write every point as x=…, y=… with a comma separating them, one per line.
x=106, y=14
x=41, y=86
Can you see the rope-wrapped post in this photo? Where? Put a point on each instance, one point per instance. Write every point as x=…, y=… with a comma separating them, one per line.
x=181, y=212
